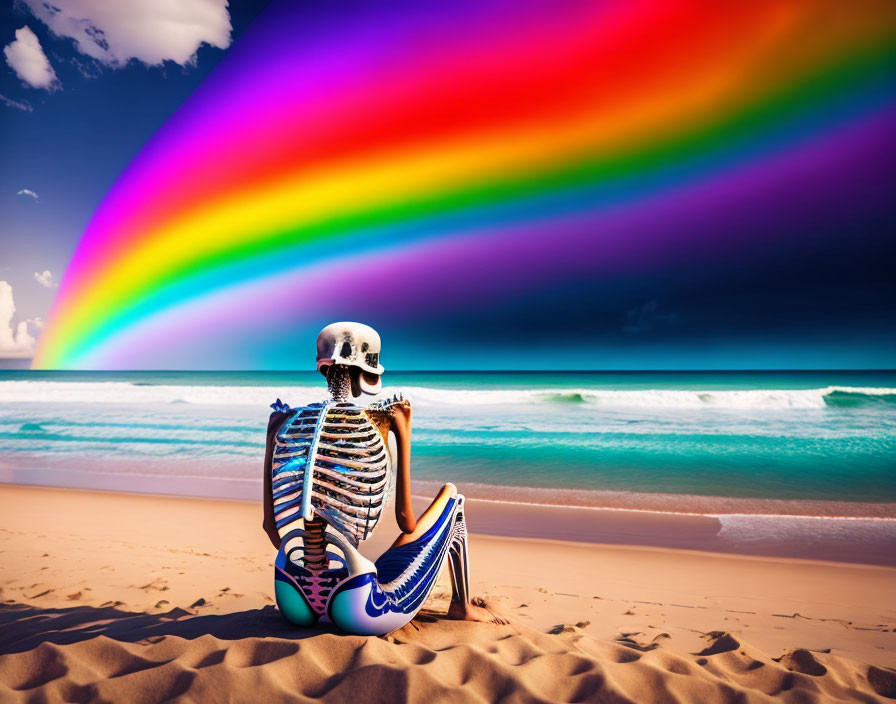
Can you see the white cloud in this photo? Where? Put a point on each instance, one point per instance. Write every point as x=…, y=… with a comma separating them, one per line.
x=45, y=278
x=152, y=31
x=25, y=56
x=17, y=104
x=14, y=342
x=28, y=192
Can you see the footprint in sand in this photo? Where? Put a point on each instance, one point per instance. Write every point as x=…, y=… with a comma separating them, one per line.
x=629, y=641
x=159, y=585
x=720, y=642
x=225, y=591
x=569, y=627
x=562, y=628
x=802, y=661
x=74, y=597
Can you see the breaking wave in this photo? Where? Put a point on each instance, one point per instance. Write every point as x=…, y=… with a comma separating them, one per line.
x=115, y=392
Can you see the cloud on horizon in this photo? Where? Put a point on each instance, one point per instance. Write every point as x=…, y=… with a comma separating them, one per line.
x=14, y=341
x=149, y=31
x=45, y=279
x=26, y=57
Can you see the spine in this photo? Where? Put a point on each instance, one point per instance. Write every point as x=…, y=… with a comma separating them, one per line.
x=315, y=545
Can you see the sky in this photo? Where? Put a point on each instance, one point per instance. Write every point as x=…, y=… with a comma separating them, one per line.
x=758, y=235
x=74, y=119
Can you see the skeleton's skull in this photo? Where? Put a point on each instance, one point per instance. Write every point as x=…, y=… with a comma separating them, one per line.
x=354, y=344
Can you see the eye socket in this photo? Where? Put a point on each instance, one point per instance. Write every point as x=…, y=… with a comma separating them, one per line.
x=372, y=359
x=346, y=350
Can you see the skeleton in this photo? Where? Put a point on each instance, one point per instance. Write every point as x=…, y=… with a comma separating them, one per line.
x=330, y=473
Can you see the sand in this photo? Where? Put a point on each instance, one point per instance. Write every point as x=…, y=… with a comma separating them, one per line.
x=122, y=597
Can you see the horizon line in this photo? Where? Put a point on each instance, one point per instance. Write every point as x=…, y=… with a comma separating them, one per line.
x=471, y=371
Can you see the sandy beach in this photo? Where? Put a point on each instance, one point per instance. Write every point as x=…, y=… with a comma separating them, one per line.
x=123, y=597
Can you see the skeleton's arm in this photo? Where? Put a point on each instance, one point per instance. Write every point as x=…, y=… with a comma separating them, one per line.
x=270, y=525
x=401, y=426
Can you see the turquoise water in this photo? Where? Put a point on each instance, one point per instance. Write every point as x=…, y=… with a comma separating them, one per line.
x=764, y=435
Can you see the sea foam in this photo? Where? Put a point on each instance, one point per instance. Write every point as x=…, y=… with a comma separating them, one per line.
x=116, y=392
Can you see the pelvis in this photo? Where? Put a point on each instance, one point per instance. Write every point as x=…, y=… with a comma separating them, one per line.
x=367, y=598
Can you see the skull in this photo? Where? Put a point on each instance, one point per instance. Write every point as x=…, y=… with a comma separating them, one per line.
x=352, y=344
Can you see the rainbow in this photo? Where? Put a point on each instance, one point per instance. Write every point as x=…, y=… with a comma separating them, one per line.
x=435, y=158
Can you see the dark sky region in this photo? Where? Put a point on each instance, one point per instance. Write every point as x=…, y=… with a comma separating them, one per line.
x=823, y=299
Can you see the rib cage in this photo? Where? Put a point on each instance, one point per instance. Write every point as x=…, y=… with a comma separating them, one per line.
x=348, y=476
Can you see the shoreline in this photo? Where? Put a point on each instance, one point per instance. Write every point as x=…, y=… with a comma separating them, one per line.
x=678, y=504
x=855, y=540
x=622, y=509
x=131, y=476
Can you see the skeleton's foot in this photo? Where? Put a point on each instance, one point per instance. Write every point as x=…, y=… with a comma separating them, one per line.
x=477, y=609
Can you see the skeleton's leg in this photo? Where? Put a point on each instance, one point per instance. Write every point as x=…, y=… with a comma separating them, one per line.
x=380, y=598
x=459, y=562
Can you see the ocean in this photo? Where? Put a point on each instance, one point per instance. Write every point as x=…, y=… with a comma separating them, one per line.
x=748, y=442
